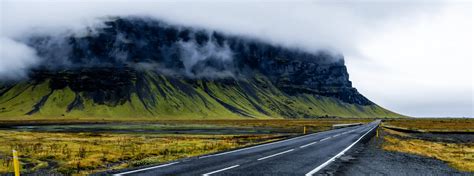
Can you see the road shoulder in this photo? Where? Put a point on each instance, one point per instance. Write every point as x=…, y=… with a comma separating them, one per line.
x=368, y=158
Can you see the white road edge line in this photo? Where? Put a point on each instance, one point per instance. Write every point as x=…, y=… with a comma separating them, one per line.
x=144, y=169
x=308, y=144
x=276, y=154
x=220, y=170
x=310, y=173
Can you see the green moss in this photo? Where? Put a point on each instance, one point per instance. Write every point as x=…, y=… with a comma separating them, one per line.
x=205, y=99
x=21, y=98
x=57, y=103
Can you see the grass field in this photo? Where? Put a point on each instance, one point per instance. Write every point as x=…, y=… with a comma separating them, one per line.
x=433, y=124
x=84, y=153
x=425, y=137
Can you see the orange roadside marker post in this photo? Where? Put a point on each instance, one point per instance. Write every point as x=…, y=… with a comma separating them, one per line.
x=377, y=132
x=304, y=129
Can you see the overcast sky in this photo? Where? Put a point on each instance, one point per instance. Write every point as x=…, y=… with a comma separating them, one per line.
x=412, y=57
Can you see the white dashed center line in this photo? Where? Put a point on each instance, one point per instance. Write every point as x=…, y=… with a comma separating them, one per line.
x=325, y=139
x=308, y=144
x=220, y=170
x=275, y=154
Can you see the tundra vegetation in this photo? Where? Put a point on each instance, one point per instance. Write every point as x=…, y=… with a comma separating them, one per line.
x=449, y=140
x=85, y=153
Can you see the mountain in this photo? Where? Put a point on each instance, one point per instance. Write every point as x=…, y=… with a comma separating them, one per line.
x=142, y=67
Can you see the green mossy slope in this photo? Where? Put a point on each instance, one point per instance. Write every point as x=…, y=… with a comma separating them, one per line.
x=162, y=97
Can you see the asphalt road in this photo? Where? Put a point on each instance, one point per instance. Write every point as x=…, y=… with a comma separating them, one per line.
x=304, y=155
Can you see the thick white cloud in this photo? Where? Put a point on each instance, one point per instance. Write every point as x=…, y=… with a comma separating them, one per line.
x=414, y=57
x=15, y=58
x=420, y=65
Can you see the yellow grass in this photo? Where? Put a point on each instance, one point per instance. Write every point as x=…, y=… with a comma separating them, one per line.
x=84, y=153
x=389, y=131
x=433, y=124
x=458, y=155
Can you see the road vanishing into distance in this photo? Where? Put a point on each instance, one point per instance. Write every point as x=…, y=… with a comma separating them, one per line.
x=303, y=155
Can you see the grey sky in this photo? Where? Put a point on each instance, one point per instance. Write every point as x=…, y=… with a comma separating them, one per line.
x=413, y=57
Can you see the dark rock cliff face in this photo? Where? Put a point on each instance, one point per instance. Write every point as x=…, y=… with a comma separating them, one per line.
x=105, y=61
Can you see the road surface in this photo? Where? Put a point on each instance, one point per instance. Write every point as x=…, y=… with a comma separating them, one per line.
x=304, y=155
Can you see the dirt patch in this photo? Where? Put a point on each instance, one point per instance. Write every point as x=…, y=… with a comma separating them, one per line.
x=450, y=138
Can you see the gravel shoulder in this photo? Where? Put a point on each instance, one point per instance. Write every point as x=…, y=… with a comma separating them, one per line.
x=368, y=158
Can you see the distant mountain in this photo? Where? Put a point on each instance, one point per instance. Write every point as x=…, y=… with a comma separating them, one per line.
x=141, y=67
